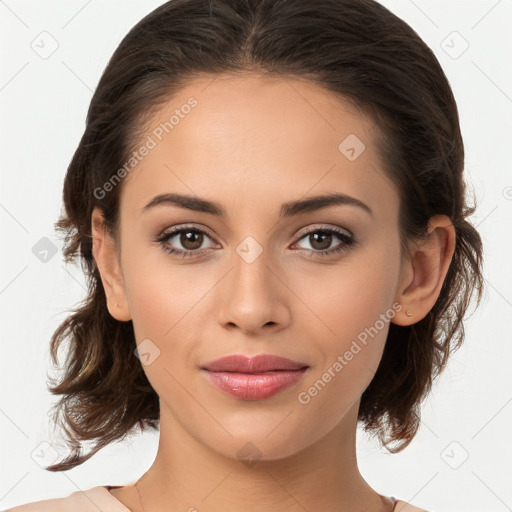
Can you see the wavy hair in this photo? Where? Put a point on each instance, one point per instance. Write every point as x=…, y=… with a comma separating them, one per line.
x=356, y=49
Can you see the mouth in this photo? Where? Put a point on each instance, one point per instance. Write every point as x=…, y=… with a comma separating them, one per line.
x=253, y=378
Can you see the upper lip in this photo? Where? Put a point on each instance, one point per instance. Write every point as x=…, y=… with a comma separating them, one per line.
x=254, y=364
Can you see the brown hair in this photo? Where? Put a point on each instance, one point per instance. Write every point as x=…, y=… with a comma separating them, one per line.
x=356, y=49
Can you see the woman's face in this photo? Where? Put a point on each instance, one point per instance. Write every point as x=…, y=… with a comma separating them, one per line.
x=256, y=279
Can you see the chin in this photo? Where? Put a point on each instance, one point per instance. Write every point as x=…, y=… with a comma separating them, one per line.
x=261, y=439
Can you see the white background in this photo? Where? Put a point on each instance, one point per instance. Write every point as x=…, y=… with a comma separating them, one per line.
x=43, y=108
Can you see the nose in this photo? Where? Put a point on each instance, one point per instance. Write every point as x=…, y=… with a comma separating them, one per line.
x=253, y=298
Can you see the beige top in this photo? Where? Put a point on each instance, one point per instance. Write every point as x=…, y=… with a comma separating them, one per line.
x=99, y=499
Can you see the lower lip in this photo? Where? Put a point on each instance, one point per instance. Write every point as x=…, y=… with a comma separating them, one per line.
x=254, y=386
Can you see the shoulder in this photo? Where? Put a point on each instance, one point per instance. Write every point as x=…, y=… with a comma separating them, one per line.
x=91, y=500
x=403, y=506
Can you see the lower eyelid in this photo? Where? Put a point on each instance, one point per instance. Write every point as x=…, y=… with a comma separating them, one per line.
x=344, y=238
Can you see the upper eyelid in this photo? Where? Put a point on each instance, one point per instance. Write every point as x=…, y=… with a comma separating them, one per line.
x=323, y=228
x=305, y=231
x=178, y=229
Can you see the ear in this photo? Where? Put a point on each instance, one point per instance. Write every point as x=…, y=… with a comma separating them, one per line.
x=105, y=257
x=424, y=272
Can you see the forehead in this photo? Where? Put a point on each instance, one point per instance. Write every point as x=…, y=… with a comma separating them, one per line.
x=257, y=137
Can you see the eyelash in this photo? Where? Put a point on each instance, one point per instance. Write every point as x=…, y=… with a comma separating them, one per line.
x=347, y=241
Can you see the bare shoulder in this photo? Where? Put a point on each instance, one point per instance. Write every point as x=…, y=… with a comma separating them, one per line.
x=403, y=506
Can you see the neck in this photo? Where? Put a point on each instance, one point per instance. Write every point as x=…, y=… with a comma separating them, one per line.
x=192, y=476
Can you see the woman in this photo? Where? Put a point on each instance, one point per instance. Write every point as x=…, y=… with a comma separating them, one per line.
x=270, y=205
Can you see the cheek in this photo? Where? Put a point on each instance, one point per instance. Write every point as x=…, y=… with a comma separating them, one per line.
x=161, y=294
x=353, y=307
x=161, y=304
x=165, y=304
x=345, y=299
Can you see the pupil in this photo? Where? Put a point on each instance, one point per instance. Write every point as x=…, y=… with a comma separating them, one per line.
x=187, y=240
x=325, y=243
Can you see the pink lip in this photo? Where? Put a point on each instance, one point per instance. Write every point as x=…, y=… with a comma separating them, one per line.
x=253, y=378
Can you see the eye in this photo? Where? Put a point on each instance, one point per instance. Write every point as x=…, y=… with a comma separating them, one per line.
x=321, y=239
x=190, y=239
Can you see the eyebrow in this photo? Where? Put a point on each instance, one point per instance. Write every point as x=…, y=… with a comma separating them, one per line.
x=289, y=209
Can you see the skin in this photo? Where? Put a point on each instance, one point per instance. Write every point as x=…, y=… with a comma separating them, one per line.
x=252, y=144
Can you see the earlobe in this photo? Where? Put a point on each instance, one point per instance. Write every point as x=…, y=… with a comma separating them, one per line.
x=105, y=258
x=425, y=271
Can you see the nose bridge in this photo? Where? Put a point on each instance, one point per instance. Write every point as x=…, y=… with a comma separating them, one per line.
x=252, y=276
x=253, y=296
